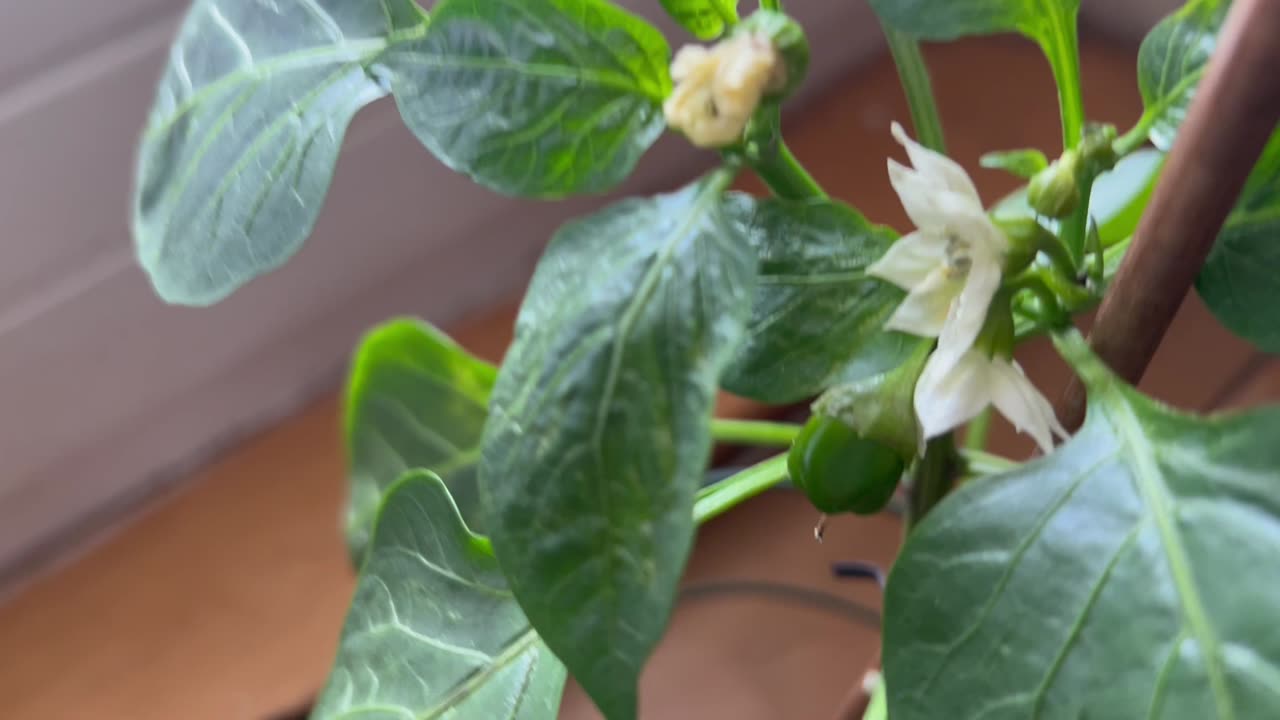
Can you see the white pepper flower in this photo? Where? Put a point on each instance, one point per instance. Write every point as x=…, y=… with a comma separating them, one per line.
x=949, y=396
x=717, y=89
x=951, y=265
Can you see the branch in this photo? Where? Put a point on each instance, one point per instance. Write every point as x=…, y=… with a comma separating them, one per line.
x=1235, y=110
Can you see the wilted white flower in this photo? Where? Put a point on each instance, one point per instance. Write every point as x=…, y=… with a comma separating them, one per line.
x=951, y=264
x=947, y=396
x=717, y=89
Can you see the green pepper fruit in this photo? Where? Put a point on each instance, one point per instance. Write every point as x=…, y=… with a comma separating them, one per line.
x=840, y=471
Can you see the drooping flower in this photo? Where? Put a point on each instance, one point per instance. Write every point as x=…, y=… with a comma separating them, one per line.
x=951, y=264
x=951, y=267
x=946, y=397
x=717, y=89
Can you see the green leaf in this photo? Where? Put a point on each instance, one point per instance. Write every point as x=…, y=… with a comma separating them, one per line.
x=1022, y=163
x=1239, y=282
x=598, y=435
x=433, y=631
x=951, y=19
x=241, y=143
x=415, y=400
x=706, y=19
x=1131, y=574
x=818, y=318
x=1120, y=195
x=1170, y=62
x=1050, y=23
x=542, y=98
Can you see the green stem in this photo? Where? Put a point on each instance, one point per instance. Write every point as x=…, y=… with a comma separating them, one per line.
x=772, y=160
x=754, y=432
x=717, y=499
x=975, y=437
x=914, y=75
x=1059, y=256
x=1035, y=283
x=878, y=708
x=1136, y=137
x=775, y=5
x=933, y=477
x=1062, y=47
x=729, y=18
x=978, y=463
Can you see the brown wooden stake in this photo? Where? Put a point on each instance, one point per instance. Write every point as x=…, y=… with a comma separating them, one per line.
x=1235, y=110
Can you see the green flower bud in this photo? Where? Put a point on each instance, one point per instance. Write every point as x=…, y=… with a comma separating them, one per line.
x=788, y=39
x=1027, y=237
x=1097, y=149
x=1055, y=191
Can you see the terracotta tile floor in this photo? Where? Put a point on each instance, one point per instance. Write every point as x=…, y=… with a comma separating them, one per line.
x=223, y=601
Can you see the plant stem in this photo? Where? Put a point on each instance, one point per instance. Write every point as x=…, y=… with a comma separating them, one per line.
x=932, y=478
x=772, y=160
x=771, y=5
x=878, y=708
x=754, y=432
x=717, y=499
x=978, y=462
x=1063, y=50
x=914, y=76
x=975, y=437
x=1136, y=137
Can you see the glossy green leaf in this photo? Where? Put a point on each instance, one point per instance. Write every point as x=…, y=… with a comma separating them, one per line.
x=1120, y=195
x=540, y=98
x=1240, y=282
x=951, y=19
x=241, y=143
x=706, y=19
x=818, y=318
x=433, y=631
x=599, y=429
x=1131, y=574
x=415, y=400
x=1022, y=163
x=1170, y=62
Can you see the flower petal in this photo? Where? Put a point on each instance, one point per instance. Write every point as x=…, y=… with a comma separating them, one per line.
x=925, y=310
x=948, y=395
x=1025, y=407
x=969, y=311
x=908, y=262
x=941, y=171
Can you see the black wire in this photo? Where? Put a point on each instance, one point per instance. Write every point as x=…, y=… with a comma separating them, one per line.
x=786, y=592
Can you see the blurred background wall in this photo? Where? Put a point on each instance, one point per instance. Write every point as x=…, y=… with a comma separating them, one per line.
x=105, y=392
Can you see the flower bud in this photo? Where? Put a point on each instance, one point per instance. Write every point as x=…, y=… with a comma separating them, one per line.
x=1027, y=237
x=718, y=89
x=1055, y=191
x=788, y=39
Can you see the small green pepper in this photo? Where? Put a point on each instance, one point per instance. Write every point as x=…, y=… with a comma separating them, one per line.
x=840, y=471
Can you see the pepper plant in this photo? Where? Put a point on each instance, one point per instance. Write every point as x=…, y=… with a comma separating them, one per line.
x=518, y=524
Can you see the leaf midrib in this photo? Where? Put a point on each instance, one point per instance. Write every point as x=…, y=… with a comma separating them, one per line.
x=1151, y=485
x=607, y=80
x=361, y=51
